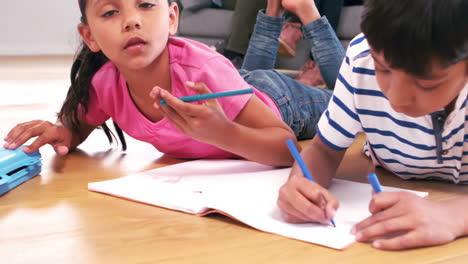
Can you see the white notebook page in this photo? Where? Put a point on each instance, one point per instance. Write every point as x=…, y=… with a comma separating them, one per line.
x=245, y=190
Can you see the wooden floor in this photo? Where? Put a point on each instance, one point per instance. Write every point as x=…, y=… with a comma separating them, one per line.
x=34, y=87
x=54, y=219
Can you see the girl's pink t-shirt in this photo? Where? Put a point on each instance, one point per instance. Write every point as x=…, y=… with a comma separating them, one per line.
x=189, y=61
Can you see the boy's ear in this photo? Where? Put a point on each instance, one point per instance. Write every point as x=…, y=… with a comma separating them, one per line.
x=173, y=18
x=88, y=38
x=466, y=64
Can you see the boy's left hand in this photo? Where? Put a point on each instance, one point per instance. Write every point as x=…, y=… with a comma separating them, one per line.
x=203, y=122
x=411, y=220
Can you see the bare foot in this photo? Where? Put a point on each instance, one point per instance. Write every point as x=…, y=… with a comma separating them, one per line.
x=306, y=10
x=274, y=8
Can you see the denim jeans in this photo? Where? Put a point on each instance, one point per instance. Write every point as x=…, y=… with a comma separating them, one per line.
x=300, y=105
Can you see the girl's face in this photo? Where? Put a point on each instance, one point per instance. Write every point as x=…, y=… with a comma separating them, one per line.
x=131, y=33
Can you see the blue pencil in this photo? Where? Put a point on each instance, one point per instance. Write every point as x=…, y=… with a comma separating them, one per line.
x=300, y=162
x=374, y=181
x=200, y=97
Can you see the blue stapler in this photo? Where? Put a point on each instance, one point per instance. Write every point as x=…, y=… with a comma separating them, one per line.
x=17, y=167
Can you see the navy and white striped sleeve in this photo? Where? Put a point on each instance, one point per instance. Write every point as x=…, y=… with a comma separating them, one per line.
x=340, y=123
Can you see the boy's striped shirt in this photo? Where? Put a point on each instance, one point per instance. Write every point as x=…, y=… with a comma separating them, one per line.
x=402, y=144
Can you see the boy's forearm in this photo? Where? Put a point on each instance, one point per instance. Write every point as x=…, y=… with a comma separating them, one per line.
x=459, y=215
x=322, y=161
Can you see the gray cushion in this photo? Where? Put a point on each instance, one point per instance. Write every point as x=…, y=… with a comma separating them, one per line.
x=193, y=5
x=209, y=25
x=350, y=22
x=207, y=22
x=206, y=40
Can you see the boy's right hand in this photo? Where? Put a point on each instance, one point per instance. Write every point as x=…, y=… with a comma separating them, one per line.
x=301, y=200
x=58, y=136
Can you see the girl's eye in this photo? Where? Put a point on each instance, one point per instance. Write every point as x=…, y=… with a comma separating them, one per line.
x=147, y=5
x=109, y=13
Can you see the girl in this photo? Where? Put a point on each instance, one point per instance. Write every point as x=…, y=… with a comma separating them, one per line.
x=130, y=61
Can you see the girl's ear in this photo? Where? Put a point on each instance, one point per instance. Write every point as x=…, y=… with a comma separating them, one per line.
x=88, y=38
x=173, y=18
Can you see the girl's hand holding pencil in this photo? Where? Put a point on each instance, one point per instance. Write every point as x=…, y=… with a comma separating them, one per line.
x=204, y=122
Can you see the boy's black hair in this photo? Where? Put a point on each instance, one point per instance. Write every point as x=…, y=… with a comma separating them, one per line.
x=85, y=65
x=413, y=34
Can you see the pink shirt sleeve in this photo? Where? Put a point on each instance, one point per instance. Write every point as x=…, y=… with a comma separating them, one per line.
x=220, y=75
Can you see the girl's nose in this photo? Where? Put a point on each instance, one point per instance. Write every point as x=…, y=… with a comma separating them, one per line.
x=132, y=21
x=131, y=25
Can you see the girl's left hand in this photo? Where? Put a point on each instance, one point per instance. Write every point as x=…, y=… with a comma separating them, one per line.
x=411, y=220
x=204, y=122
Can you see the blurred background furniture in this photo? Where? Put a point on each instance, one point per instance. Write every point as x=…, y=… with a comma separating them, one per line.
x=203, y=22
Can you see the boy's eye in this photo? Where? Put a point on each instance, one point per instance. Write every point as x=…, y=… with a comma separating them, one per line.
x=147, y=5
x=109, y=13
x=428, y=87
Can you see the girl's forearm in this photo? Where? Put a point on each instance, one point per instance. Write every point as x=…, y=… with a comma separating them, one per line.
x=80, y=136
x=262, y=145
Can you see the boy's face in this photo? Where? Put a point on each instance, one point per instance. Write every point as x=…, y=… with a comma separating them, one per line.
x=417, y=96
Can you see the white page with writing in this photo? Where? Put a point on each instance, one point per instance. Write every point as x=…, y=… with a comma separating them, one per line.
x=245, y=190
x=152, y=188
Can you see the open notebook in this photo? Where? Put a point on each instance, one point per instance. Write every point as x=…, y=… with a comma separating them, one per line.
x=244, y=190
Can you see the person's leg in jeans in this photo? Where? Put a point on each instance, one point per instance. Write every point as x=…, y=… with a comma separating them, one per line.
x=327, y=49
x=263, y=45
x=291, y=32
x=300, y=105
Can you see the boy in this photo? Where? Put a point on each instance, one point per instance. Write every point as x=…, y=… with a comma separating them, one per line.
x=405, y=86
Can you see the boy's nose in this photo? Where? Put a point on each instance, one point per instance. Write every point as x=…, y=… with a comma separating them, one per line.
x=401, y=93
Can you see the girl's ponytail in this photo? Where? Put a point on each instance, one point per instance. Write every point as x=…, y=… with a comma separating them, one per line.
x=85, y=65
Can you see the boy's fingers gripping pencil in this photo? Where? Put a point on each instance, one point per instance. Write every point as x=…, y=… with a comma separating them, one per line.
x=374, y=182
x=297, y=157
x=200, y=97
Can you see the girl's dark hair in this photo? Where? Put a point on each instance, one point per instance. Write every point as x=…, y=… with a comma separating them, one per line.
x=411, y=34
x=84, y=67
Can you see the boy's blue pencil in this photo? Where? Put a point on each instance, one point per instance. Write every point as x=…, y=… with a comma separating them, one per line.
x=200, y=97
x=297, y=157
x=374, y=181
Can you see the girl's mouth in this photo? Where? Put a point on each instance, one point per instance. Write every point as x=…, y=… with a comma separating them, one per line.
x=135, y=42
